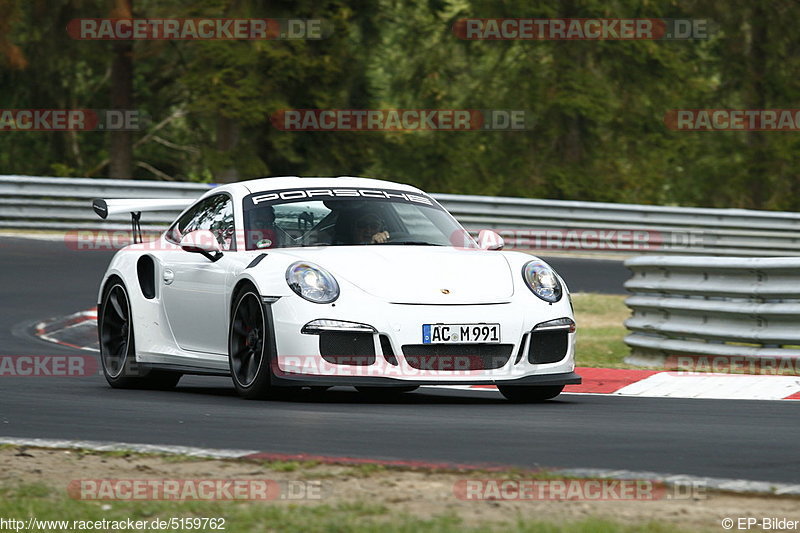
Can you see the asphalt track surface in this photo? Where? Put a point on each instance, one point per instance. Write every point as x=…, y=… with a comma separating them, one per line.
x=754, y=440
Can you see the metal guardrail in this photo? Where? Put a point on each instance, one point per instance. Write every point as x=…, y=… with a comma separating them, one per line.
x=64, y=204
x=673, y=230
x=46, y=203
x=714, y=306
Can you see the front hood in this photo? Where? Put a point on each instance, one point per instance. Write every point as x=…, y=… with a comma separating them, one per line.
x=418, y=274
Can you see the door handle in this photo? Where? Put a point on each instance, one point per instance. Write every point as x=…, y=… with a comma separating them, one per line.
x=169, y=276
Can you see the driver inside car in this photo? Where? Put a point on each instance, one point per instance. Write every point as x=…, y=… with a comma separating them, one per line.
x=369, y=228
x=262, y=233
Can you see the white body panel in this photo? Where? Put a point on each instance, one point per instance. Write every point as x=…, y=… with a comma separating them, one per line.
x=394, y=289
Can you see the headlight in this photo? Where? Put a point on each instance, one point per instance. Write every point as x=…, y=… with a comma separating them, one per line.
x=311, y=282
x=542, y=281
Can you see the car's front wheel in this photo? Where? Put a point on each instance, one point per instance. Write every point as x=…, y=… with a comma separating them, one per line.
x=247, y=346
x=117, y=349
x=530, y=393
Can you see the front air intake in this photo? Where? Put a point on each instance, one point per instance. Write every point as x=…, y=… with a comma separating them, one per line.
x=457, y=357
x=550, y=341
x=347, y=348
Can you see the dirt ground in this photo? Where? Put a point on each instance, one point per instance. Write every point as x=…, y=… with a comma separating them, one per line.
x=419, y=493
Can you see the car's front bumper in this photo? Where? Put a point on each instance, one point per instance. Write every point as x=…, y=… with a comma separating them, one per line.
x=297, y=358
x=299, y=380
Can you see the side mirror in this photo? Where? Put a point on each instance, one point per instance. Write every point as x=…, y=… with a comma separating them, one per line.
x=203, y=242
x=489, y=240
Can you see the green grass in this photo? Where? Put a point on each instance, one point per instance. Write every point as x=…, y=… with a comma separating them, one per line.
x=287, y=466
x=601, y=331
x=45, y=503
x=366, y=470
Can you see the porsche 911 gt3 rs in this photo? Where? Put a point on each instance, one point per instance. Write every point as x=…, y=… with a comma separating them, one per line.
x=320, y=282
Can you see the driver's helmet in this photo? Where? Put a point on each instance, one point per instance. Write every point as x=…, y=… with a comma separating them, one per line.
x=365, y=224
x=262, y=228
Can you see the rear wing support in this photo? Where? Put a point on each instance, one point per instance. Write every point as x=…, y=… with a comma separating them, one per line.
x=136, y=226
x=106, y=208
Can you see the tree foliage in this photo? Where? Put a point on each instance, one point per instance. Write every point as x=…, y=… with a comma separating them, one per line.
x=597, y=106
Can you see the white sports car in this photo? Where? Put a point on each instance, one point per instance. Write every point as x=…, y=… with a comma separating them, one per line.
x=319, y=282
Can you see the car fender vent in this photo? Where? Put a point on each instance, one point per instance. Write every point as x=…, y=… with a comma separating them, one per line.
x=256, y=261
x=146, y=272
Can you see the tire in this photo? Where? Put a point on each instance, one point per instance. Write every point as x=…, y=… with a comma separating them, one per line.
x=117, y=347
x=386, y=392
x=248, y=337
x=530, y=393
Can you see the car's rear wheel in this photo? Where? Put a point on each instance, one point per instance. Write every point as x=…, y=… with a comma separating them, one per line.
x=530, y=393
x=247, y=346
x=117, y=348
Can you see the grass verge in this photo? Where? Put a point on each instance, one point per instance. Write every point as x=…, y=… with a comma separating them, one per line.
x=34, y=482
x=601, y=331
x=47, y=504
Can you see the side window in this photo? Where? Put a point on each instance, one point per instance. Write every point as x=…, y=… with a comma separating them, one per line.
x=220, y=221
x=214, y=214
x=180, y=228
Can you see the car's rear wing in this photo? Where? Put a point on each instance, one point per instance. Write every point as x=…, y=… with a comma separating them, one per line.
x=106, y=208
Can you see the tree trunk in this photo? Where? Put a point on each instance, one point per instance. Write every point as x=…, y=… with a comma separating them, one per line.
x=121, y=151
x=227, y=140
x=757, y=98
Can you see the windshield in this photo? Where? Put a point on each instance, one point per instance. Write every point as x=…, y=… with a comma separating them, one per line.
x=348, y=217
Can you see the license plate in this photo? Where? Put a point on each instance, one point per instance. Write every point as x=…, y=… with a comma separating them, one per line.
x=460, y=333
